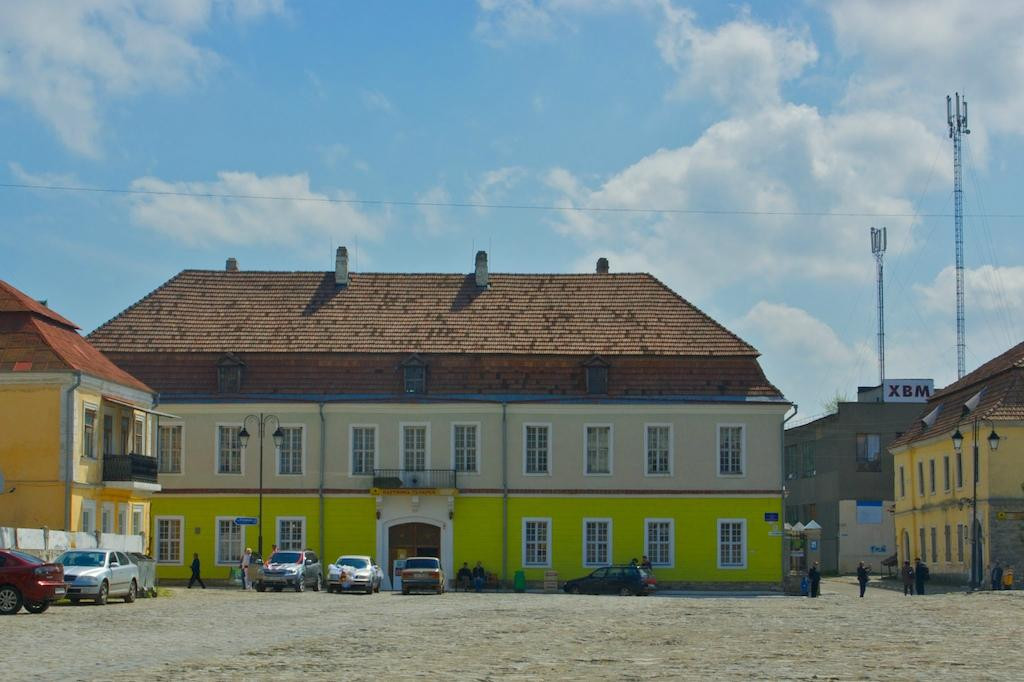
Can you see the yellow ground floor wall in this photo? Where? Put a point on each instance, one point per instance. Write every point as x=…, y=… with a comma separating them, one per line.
x=351, y=527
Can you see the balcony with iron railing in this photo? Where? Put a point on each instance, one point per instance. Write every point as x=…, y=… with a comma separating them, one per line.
x=420, y=479
x=130, y=468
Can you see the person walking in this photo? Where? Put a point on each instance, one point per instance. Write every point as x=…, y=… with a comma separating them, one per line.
x=997, y=577
x=907, y=573
x=479, y=577
x=921, y=574
x=815, y=576
x=244, y=563
x=862, y=577
x=195, y=572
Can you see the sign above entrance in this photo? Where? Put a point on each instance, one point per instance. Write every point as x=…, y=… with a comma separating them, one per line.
x=414, y=491
x=1010, y=515
x=246, y=521
x=907, y=390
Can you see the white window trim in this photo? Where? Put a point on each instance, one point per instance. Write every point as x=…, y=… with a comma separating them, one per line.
x=743, y=449
x=671, y=542
x=671, y=451
x=551, y=434
x=401, y=443
x=901, y=482
x=121, y=519
x=91, y=506
x=277, y=531
x=97, y=427
x=277, y=451
x=525, y=520
x=351, y=450
x=933, y=485
x=141, y=527
x=181, y=425
x=718, y=544
x=611, y=449
x=216, y=540
x=216, y=449
x=137, y=420
x=479, y=446
x=611, y=554
x=920, y=478
x=181, y=540
x=108, y=507
x=947, y=474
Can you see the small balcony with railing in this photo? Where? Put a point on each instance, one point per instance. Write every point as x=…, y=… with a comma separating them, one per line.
x=411, y=480
x=131, y=471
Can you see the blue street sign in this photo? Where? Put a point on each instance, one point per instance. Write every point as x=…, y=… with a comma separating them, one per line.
x=771, y=516
x=246, y=521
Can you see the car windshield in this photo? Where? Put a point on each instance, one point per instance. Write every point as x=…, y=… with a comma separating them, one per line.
x=354, y=562
x=286, y=558
x=27, y=558
x=83, y=559
x=422, y=563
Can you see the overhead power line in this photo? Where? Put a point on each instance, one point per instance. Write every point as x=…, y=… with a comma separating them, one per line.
x=519, y=207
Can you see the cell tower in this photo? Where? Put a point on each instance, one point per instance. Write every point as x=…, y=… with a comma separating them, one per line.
x=957, y=126
x=878, y=242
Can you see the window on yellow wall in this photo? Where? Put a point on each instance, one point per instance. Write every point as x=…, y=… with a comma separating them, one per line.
x=959, y=470
x=229, y=542
x=140, y=435
x=920, y=478
x=89, y=432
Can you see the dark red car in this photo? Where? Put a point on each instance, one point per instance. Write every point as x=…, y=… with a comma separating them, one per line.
x=28, y=581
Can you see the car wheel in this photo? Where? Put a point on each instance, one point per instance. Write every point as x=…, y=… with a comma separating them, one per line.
x=260, y=587
x=152, y=592
x=625, y=592
x=300, y=585
x=10, y=600
x=36, y=606
x=104, y=593
x=133, y=591
x=318, y=584
x=575, y=589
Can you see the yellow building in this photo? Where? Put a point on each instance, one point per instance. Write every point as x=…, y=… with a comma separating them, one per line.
x=77, y=444
x=982, y=414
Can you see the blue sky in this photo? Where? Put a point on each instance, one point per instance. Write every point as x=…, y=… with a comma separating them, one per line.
x=778, y=132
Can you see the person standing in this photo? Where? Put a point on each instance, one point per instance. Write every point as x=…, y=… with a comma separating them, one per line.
x=815, y=576
x=246, y=560
x=1008, y=578
x=921, y=574
x=997, y=577
x=862, y=577
x=645, y=563
x=195, y=572
x=479, y=577
x=907, y=573
x=464, y=577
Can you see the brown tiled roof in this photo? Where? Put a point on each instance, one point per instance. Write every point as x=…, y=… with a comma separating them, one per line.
x=33, y=338
x=1001, y=384
x=251, y=311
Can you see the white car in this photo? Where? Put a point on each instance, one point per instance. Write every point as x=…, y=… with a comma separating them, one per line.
x=99, y=574
x=354, y=572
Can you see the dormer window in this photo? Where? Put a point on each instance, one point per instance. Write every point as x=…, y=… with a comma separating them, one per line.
x=414, y=375
x=596, y=369
x=229, y=374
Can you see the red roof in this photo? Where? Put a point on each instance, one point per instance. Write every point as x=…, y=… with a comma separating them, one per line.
x=33, y=338
x=543, y=314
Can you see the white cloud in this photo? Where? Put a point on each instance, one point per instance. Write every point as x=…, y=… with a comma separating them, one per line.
x=987, y=289
x=436, y=219
x=46, y=179
x=503, y=20
x=376, y=101
x=206, y=220
x=493, y=185
x=62, y=59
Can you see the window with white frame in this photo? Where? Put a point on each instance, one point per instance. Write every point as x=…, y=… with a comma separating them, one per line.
x=169, y=449
x=291, y=533
x=88, y=517
x=169, y=539
x=89, y=432
x=140, y=435
x=465, y=439
x=658, y=541
x=920, y=478
x=108, y=434
x=122, y=519
x=107, y=517
x=229, y=542
x=659, y=449
x=364, y=446
x=599, y=450
x=730, y=449
x=289, y=455
x=732, y=550
x=536, y=542
x=597, y=542
x=414, y=448
x=138, y=523
x=903, y=483
x=537, y=441
x=229, y=450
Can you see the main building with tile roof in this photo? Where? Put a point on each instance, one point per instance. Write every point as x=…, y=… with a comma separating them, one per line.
x=533, y=422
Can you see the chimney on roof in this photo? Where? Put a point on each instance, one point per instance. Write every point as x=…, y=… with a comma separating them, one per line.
x=231, y=265
x=341, y=267
x=481, y=269
x=602, y=266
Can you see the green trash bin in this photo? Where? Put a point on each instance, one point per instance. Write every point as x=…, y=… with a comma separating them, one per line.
x=519, y=581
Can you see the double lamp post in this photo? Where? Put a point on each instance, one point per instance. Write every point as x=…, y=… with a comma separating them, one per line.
x=993, y=445
x=262, y=420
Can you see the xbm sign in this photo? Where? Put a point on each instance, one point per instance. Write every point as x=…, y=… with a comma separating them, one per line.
x=908, y=390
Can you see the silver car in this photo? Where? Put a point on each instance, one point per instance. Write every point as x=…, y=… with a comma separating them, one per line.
x=295, y=569
x=354, y=572
x=99, y=574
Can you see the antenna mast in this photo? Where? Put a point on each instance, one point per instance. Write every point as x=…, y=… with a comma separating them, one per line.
x=878, y=243
x=957, y=123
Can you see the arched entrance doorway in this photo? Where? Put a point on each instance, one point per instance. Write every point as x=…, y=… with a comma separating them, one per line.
x=412, y=539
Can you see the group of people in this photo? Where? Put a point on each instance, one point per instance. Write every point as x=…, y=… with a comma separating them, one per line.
x=814, y=579
x=466, y=576
x=249, y=565
x=1002, y=579
x=914, y=577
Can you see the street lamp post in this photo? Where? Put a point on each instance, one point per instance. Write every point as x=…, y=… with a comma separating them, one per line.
x=243, y=439
x=993, y=445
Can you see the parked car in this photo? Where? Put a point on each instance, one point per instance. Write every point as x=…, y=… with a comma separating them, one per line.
x=295, y=569
x=354, y=572
x=28, y=581
x=423, y=573
x=624, y=580
x=99, y=574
